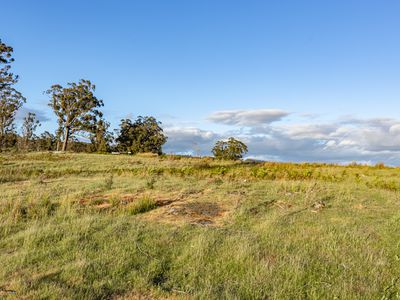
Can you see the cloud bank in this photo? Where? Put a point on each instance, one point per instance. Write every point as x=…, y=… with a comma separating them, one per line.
x=340, y=141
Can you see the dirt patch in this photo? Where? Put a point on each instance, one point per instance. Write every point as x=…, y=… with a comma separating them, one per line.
x=202, y=213
x=164, y=202
x=150, y=296
x=191, y=211
x=178, y=207
x=104, y=201
x=283, y=204
x=203, y=209
x=359, y=206
x=318, y=206
x=103, y=205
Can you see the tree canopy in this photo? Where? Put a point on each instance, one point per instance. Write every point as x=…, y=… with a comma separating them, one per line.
x=143, y=135
x=100, y=136
x=76, y=108
x=231, y=149
x=78, y=115
x=29, y=126
x=10, y=99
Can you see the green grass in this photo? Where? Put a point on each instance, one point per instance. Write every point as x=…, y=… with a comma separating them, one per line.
x=79, y=226
x=142, y=205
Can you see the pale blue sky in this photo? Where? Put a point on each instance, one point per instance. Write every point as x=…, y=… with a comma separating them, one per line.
x=323, y=63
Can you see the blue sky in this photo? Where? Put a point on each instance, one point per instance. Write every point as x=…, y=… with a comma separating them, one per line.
x=297, y=80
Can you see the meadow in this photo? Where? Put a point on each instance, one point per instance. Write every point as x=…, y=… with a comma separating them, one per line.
x=92, y=226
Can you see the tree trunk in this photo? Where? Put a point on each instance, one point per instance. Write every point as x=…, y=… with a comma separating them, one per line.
x=66, y=137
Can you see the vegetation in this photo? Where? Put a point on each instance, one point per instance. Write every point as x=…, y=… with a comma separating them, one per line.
x=101, y=139
x=80, y=226
x=143, y=135
x=29, y=126
x=76, y=108
x=78, y=112
x=231, y=149
x=92, y=226
x=10, y=99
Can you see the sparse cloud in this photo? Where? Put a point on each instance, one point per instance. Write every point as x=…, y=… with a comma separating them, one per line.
x=40, y=115
x=251, y=117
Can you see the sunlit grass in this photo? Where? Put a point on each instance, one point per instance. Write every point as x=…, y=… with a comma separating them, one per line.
x=78, y=226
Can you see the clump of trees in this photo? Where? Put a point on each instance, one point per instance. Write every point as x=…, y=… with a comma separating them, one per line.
x=143, y=135
x=231, y=149
x=79, y=117
x=10, y=99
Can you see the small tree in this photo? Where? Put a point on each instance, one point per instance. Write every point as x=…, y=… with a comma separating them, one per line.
x=143, y=135
x=231, y=149
x=100, y=137
x=29, y=126
x=10, y=99
x=46, y=142
x=76, y=108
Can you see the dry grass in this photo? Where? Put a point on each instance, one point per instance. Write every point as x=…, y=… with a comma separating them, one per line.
x=127, y=227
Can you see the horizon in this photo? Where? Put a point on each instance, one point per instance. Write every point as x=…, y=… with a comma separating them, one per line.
x=299, y=82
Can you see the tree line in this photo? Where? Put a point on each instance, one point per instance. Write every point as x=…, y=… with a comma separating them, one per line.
x=78, y=113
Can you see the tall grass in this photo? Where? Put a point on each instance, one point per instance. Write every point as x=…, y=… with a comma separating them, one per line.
x=276, y=240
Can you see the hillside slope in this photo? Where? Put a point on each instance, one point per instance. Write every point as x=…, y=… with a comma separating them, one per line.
x=80, y=226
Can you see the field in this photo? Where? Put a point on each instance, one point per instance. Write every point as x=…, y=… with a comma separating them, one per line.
x=88, y=226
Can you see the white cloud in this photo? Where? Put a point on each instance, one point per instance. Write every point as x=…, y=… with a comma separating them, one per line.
x=254, y=117
x=344, y=140
x=40, y=115
x=394, y=129
x=313, y=131
x=189, y=140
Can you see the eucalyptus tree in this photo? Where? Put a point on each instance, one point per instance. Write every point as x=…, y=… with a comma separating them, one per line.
x=76, y=108
x=143, y=135
x=29, y=126
x=10, y=99
x=231, y=149
x=100, y=137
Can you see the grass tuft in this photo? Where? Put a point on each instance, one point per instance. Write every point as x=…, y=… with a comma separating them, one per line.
x=142, y=205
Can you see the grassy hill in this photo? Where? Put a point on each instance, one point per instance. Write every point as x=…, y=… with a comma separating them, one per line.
x=80, y=226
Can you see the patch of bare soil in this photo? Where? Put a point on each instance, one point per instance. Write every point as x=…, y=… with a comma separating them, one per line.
x=190, y=211
x=143, y=296
x=318, y=206
x=359, y=206
x=103, y=205
x=176, y=208
x=201, y=213
x=283, y=204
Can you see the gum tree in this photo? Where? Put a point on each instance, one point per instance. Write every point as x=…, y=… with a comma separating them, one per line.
x=76, y=108
x=231, y=149
x=100, y=136
x=143, y=135
x=10, y=99
x=29, y=126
